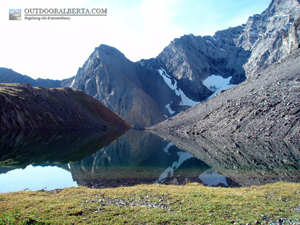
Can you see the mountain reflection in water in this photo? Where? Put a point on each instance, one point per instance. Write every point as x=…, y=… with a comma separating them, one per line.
x=246, y=161
x=113, y=159
x=137, y=158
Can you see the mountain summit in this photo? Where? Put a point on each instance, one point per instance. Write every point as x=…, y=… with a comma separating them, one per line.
x=190, y=70
x=111, y=78
x=278, y=7
x=263, y=34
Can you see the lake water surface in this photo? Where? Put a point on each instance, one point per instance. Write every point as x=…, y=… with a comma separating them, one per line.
x=35, y=161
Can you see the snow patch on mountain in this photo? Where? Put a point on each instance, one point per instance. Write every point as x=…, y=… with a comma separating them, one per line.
x=217, y=83
x=73, y=82
x=173, y=85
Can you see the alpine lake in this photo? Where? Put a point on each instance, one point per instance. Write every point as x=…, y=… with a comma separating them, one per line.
x=48, y=161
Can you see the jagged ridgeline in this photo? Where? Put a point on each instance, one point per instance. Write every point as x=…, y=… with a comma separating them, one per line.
x=191, y=69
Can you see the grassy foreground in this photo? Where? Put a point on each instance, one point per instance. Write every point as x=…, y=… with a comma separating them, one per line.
x=154, y=204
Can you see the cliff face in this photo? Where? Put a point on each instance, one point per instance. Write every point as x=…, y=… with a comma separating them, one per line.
x=154, y=85
x=237, y=52
x=191, y=59
x=111, y=78
x=263, y=34
x=291, y=38
x=264, y=106
x=234, y=54
x=25, y=107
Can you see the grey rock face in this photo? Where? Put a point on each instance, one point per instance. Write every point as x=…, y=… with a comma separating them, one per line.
x=154, y=85
x=263, y=34
x=264, y=106
x=237, y=52
x=111, y=78
x=192, y=59
x=291, y=38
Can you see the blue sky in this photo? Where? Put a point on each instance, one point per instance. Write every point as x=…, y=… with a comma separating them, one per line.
x=138, y=28
x=12, y=10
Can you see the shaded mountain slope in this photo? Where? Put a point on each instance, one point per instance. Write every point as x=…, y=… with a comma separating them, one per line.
x=191, y=59
x=111, y=78
x=266, y=106
x=26, y=107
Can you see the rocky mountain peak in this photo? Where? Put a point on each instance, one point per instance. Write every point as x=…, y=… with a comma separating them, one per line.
x=278, y=7
x=111, y=78
x=107, y=53
x=263, y=34
x=192, y=59
x=104, y=54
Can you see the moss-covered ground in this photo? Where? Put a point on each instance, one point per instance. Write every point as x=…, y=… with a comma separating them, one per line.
x=154, y=204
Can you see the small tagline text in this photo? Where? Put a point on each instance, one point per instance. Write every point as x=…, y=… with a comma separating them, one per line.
x=41, y=18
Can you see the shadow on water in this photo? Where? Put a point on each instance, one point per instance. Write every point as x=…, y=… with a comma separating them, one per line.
x=19, y=149
x=113, y=159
